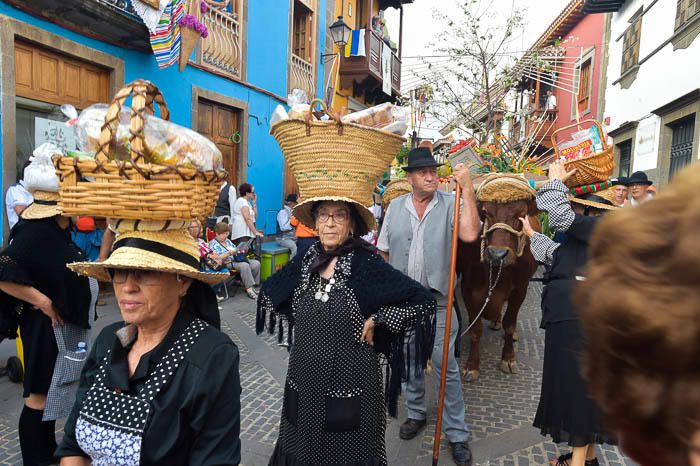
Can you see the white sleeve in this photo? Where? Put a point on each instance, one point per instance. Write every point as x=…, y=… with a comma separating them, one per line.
x=383, y=241
x=231, y=200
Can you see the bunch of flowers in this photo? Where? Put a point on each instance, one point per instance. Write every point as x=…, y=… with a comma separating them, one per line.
x=190, y=21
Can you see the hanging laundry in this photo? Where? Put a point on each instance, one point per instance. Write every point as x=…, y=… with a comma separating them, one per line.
x=149, y=14
x=356, y=44
x=166, y=41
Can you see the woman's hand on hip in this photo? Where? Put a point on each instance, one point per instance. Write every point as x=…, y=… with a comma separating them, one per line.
x=50, y=311
x=368, y=332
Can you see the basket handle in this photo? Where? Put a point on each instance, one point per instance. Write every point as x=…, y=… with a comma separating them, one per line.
x=144, y=95
x=324, y=107
x=603, y=138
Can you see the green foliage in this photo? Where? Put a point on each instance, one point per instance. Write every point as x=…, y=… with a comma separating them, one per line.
x=543, y=217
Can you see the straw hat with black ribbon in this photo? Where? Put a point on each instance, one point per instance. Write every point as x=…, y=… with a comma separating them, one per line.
x=335, y=161
x=599, y=195
x=166, y=250
x=40, y=179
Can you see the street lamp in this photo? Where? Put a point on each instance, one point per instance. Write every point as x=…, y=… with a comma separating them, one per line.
x=340, y=32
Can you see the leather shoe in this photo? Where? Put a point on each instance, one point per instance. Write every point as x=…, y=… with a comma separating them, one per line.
x=461, y=454
x=410, y=428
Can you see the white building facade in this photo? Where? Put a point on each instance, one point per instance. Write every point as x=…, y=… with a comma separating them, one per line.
x=652, y=97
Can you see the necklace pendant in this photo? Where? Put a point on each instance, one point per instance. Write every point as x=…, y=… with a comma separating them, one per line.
x=318, y=295
x=324, y=298
x=328, y=288
x=332, y=281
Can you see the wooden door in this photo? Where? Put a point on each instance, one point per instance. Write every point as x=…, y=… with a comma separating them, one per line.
x=290, y=182
x=47, y=76
x=222, y=125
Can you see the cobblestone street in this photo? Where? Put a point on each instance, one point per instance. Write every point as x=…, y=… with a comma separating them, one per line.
x=500, y=408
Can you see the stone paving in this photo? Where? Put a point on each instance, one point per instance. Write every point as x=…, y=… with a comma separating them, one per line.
x=500, y=407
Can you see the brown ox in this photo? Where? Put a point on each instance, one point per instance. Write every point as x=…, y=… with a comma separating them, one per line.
x=500, y=245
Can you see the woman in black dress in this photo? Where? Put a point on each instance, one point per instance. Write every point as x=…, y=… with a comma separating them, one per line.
x=34, y=280
x=565, y=411
x=162, y=387
x=347, y=309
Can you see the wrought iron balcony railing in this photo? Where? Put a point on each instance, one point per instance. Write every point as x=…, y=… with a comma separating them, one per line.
x=301, y=75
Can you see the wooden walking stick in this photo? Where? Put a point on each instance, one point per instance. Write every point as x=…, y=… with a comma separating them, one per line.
x=448, y=324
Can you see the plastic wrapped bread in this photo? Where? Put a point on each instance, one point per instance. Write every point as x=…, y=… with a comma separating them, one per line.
x=385, y=116
x=165, y=142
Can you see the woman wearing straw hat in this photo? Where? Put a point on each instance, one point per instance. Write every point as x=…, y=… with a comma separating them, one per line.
x=347, y=308
x=163, y=386
x=565, y=410
x=33, y=273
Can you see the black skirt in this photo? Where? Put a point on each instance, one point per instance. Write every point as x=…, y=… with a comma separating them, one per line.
x=565, y=411
x=40, y=350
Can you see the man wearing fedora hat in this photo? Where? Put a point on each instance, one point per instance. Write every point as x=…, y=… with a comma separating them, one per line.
x=416, y=239
x=638, y=185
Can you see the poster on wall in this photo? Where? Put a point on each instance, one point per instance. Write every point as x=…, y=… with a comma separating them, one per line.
x=386, y=69
x=53, y=131
x=646, y=147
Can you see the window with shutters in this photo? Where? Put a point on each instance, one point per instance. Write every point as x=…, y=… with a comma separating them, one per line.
x=681, y=144
x=685, y=11
x=630, y=46
x=584, y=86
x=625, y=150
x=303, y=61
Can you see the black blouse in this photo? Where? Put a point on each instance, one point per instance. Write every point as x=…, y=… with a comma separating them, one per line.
x=195, y=419
x=37, y=256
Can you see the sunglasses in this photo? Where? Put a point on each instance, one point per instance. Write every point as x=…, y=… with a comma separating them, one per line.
x=142, y=277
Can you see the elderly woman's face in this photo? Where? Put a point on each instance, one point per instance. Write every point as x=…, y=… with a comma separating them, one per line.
x=333, y=223
x=195, y=230
x=146, y=297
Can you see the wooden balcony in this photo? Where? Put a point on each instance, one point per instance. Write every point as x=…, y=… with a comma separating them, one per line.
x=301, y=75
x=539, y=126
x=112, y=21
x=222, y=51
x=365, y=74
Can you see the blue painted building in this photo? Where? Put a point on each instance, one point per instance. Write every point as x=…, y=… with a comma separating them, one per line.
x=82, y=51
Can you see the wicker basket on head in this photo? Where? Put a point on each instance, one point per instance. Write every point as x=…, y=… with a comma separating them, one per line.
x=134, y=189
x=394, y=189
x=331, y=156
x=590, y=169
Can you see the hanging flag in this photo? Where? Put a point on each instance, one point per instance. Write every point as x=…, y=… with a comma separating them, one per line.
x=165, y=42
x=356, y=44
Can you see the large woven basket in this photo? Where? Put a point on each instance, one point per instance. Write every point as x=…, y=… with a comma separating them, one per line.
x=134, y=189
x=331, y=157
x=590, y=169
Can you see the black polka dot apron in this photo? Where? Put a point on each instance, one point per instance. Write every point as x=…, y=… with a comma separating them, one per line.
x=111, y=424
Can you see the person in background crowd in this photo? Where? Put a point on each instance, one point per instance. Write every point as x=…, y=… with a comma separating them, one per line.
x=347, y=307
x=17, y=198
x=87, y=237
x=33, y=274
x=235, y=259
x=643, y=336
x=565, y=410
x=224, y=205
x=306, y=237
x=243, y=215
x=621, y=191
x=285, y=231
x=638, y=185
x=415, y=239
x=551, y=103
x=163, y=386
x=209, y=260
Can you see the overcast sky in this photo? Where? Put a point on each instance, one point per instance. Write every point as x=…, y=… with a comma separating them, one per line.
x=421, y=28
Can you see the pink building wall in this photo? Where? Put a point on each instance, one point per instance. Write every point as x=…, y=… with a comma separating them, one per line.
x=588, y=34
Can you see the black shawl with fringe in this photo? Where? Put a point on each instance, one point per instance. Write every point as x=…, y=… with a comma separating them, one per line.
x=379, y=289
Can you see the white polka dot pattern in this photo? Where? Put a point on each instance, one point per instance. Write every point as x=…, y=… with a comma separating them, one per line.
x=111, y=424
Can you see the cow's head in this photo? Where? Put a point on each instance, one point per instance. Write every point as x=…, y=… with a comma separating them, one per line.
x=503, y=240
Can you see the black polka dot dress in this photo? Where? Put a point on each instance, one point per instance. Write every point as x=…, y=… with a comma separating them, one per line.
x=334, y=411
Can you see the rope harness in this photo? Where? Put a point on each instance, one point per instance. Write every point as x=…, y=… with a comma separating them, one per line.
x=522, y=239
x=492, y=286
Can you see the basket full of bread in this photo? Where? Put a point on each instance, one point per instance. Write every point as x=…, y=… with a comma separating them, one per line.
x=587, y=150
x=135, y=165
x=350, y=152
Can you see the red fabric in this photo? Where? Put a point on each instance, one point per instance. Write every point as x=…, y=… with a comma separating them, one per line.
x=85, y=224
x=210, y=234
